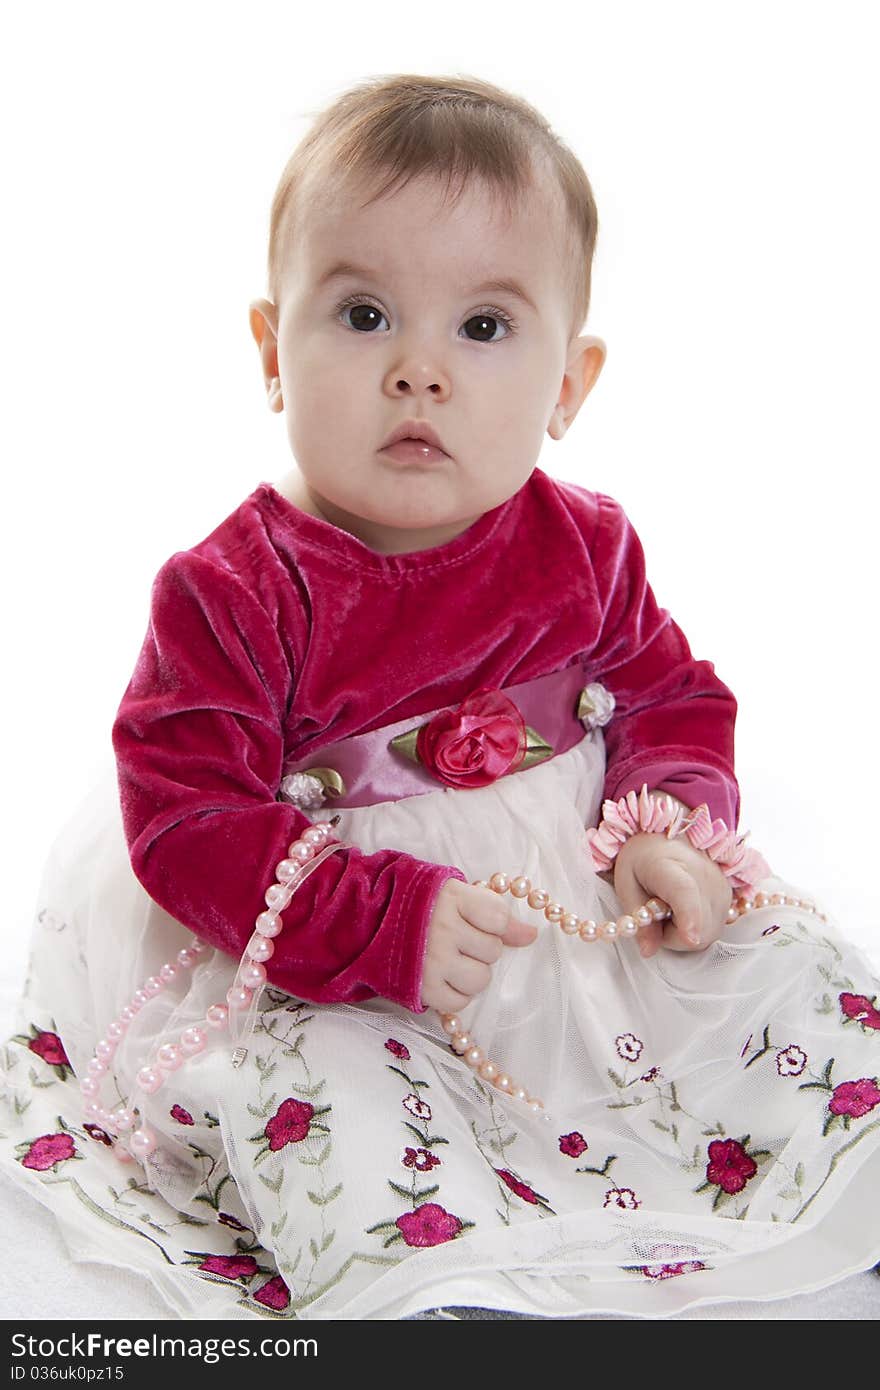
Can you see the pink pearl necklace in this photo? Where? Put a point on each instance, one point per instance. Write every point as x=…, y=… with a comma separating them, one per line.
x=303, y=857
x=628, y=925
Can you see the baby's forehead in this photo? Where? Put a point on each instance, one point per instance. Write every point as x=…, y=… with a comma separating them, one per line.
x=342, y=211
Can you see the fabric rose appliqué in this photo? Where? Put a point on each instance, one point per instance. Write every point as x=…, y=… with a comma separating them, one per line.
x=475, y=744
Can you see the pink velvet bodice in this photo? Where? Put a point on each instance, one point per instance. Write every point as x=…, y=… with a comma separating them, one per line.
x=280, y=633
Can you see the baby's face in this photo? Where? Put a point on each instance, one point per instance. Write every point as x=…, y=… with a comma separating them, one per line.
x=412, y=329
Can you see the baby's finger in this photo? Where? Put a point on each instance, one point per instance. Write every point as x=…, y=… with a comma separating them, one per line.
x=481, y=945
x=650, y=939
x=672, y=882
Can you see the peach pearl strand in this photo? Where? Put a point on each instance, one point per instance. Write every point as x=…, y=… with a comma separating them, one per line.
x=627, y=925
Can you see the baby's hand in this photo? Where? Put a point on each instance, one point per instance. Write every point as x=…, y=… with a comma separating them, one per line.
x=469, y=928
x=650, y=866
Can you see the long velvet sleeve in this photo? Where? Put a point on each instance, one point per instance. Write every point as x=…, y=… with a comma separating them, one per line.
x=674, y=720
x=199, y=750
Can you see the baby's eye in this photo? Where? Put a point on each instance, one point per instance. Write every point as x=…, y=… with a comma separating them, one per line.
x=485, y=323
x=364, y=315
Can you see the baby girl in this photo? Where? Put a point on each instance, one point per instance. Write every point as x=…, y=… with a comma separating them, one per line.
x=410, y=735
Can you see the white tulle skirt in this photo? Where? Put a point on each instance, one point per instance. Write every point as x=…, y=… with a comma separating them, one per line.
x=711, y=1122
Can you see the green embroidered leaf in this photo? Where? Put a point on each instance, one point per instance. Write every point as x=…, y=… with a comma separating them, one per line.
x=255, y=1110
x=412, y=1129
x=789, y=1194
x=824, y=972
x=278, y=1226
x=331, y=1196
x=826, y=1006
x=433, y=1140
x=813, y=1086
x=397, y=1071
x=312, y=1090
x=273, y=1184
x=313, y=1246
x=615, y=1077
x=658, y=1124
x=328, y=1240
x=675, y=1133
x=398, y=1235
x=426, y=1192
x=828, y=1066
x=799, y=1175
x=401, y=1191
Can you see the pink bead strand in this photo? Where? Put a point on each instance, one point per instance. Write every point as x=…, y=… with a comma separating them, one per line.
x=303, y=855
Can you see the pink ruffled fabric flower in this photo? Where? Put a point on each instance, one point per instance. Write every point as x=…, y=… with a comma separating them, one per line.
x=729, y=1166
x=274, y=1294
x=475, y=744
x=855, y=1098
x=50, y=1047
x=289, y=1124
x=573, y=1145
x=658, y=814
x=48, y=1150
x=429, y=1224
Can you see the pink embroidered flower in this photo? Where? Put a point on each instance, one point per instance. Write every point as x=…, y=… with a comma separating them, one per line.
x=729, y=1166
x=289, y=1124
x=791, y=1060
x=232, y=1221
x=230, y=1266
x=573, y=1145
x=629, y=1047
x=669, y=1271
x=274, y=1294
x=855, y=1098
x=183, y=1117
x=651, y=1075
x=860, y=1008
x=101, y=1135
x=419, y=1108
x=420, y=1159
x=397, y=1049
x=50, y=1047
x=48, y=1150
x=429, y=1224
x=520, y=1188
x=622, y=1197
x=476, y=743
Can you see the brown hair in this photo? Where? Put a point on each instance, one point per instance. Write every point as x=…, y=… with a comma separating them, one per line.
x=404, y=125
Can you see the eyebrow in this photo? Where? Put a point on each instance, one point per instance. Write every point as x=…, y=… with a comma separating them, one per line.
x=342, y=270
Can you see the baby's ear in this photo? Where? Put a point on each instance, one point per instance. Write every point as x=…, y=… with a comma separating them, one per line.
x=583, y=363
x=263, y=317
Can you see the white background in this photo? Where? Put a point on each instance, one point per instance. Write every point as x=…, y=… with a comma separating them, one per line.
x=732, y=150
